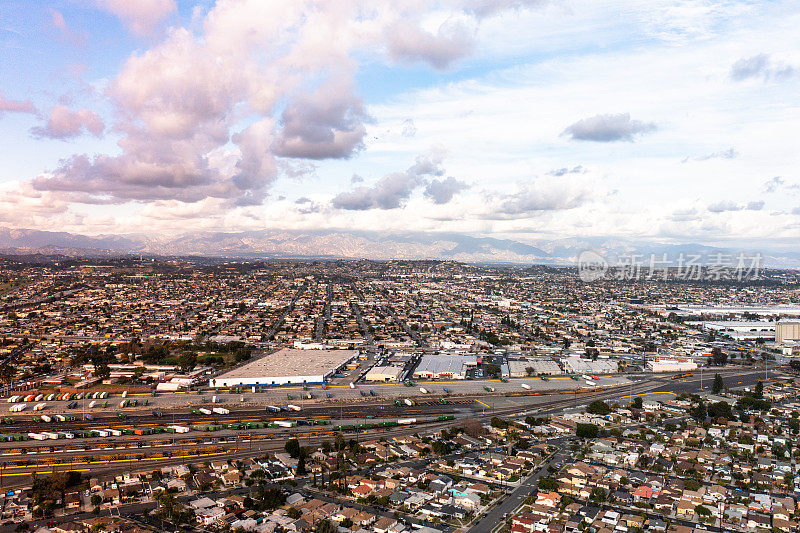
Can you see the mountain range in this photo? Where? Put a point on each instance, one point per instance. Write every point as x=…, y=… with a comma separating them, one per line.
x=349, y=244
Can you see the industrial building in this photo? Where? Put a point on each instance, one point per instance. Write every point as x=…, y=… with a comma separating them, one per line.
x=445, y=366
x=384, y=373
x=578, y=365
x=287, y=366
x=519, y=369
x=745, y=330
x=671, y=365
x=787, y=331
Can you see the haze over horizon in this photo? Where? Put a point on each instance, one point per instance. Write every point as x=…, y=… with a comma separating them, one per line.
x=665, y=121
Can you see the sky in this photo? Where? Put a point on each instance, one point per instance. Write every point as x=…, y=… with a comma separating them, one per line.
x=669, y=121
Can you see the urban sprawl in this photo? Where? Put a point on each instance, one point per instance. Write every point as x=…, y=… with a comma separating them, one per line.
x=403, y=396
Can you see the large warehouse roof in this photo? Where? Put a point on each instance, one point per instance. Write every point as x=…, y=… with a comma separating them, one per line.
x=444, y=364
x=289, y=362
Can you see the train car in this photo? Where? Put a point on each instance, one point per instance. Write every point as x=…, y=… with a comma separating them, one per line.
x=487, y=388
x=180, y=429
x=293, y=407
x=406, y=421
x=215, y=399
x=594, y=377
x=39, y=398
x=37, y=436
x=51, y=397
x=372, y=393
x=60, y=418
x=220, y=410
x=87, y=416
x=125, y=394
x=445, y=417
x=205, y=411
x=273, y=409
x=46, y=418
x=157, y=414
x=423, y=390
x=92, y=403
x=681, y=376
x=284, y=423
x=102, y=432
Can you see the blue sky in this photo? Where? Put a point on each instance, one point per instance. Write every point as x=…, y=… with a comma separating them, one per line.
x=664, y=120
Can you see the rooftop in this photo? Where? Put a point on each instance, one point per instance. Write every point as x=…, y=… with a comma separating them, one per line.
x=290, y=362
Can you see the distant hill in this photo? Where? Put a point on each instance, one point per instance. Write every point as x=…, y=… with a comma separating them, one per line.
x=347, y=244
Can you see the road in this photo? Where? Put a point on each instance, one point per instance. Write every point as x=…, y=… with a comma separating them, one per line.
x=491, y=520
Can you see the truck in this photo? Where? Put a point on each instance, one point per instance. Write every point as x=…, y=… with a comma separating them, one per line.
x=487, y=388
x=92, y=403
x=124, y=394
x=328, y=394
x=590, y=383
x=526, y=386
x=352, y=385
x=215, y=399
x=408, y=402
x=87, y=416
x=220, y=410
x=423, y=390
x=446, y=390
x=372, y=393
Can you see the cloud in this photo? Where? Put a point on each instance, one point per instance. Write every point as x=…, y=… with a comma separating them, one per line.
x=730, y=153
x=355, y=178
x=409, y=128
x=777, y=184
x=442, y=191
x=392, y=190
x=408, y=42
x=67, y=33
x=323, y=125
x=66, y=124
x=142, y=17
x=541, y=195
x=760, y=66
x=15, y=106
x=558, y=172
x=727, y=205
x=303, y=200
x=608, y=128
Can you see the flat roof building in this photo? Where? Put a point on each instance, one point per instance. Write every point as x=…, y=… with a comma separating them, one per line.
x=384, y=373
x=787, y=330
x=445, y=366
x=287, y=366
x=519, y=369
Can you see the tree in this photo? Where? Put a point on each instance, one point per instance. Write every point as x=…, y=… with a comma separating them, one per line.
x=637, y=403
x=759, y=392
x=720, y=410
x=587, y=431
x=292, y=447
x=718, y=384
x=102, y=371
x=599, y=407
x=187, y=361
x=718, y=357
x=598, y=494
x=548, y=483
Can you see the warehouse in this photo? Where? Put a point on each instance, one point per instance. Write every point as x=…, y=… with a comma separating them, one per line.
x=671, y=365
x=519, y=369
x=287, y=366
x=577, y=365
x=384, y=373
x=445, y=366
